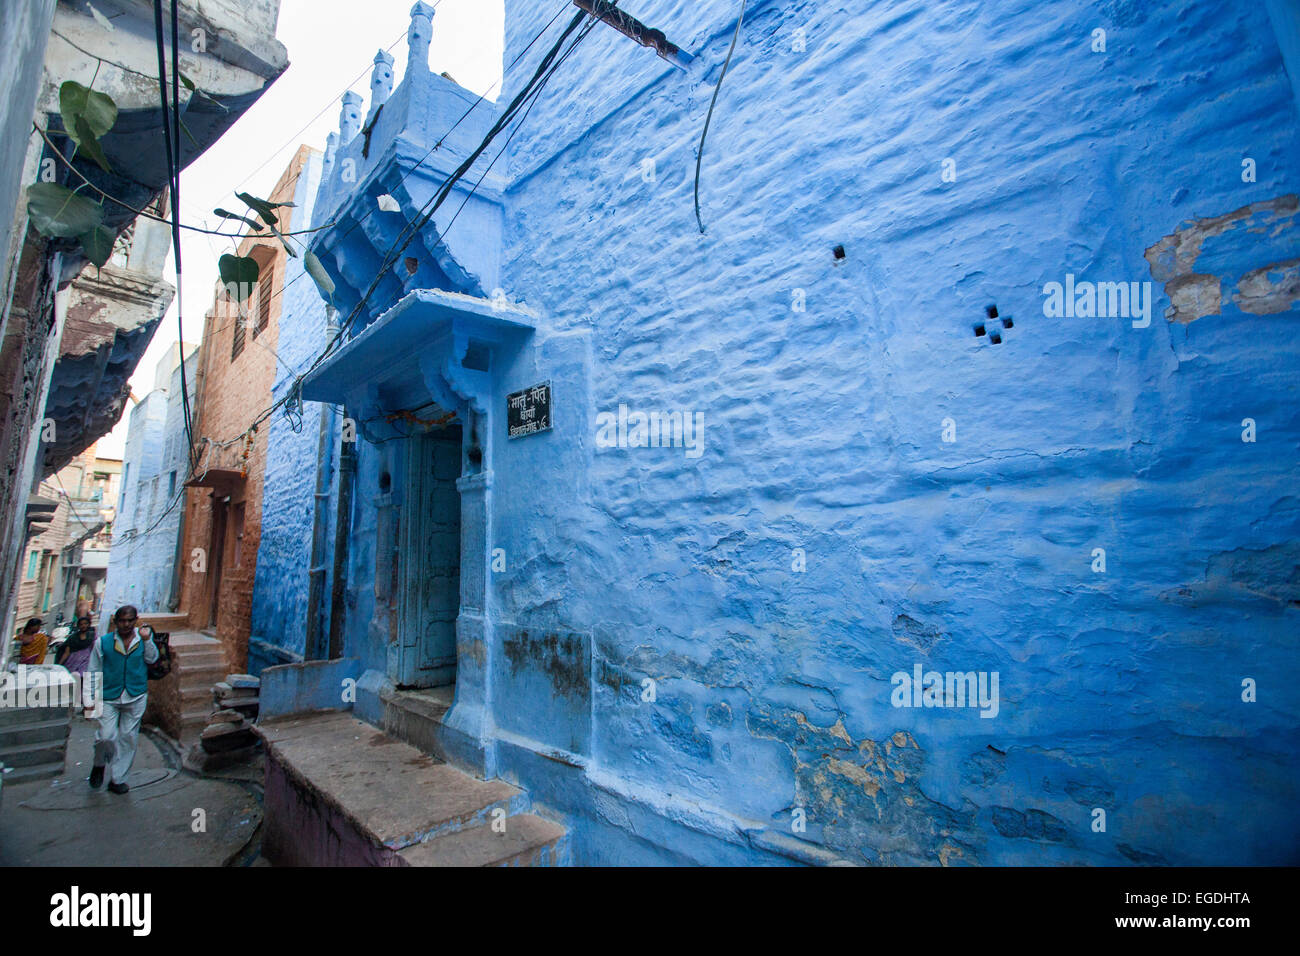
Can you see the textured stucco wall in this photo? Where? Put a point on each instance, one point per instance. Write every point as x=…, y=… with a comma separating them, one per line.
x=279, y=613
x=823, y=431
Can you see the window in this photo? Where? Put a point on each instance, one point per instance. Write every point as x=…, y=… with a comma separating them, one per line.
x=265, y=285
x=237, y=341
x=31, y=563
x=171, y=486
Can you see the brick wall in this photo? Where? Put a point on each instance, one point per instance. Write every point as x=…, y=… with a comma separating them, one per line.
x=232, y=394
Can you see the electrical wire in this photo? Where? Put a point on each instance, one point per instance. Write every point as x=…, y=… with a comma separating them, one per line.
x=699, y=155
x=171, y=134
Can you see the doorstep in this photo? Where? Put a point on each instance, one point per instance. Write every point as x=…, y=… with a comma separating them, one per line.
x=340, y=792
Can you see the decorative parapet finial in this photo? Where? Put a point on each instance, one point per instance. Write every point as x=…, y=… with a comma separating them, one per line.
x=381, y=83
x=331, y=148
x=349, y=118
x=420, y=35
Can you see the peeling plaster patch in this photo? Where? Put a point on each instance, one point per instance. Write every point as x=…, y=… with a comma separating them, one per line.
x=863, y=798
x=1266, y=577
x=1266, y=289
x=858, y=775
x=1194, y=296
x=1269, y=290
x=947, y=852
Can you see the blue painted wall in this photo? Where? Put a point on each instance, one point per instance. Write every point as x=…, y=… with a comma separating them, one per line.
x=1119, y=690
x=279, y=613
x=695, y=656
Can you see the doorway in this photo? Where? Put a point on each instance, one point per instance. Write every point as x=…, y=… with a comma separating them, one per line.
x=430, y=561
x=216, y=554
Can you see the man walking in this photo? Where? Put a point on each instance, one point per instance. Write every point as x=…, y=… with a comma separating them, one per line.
x=120, y=660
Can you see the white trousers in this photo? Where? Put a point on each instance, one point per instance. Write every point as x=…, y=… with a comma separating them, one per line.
x=119, y=729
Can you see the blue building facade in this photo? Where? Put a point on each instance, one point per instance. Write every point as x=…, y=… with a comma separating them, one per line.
x=933, y=504
x=281, y=584
x=143, y=557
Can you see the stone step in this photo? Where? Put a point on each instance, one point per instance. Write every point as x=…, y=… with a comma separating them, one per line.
x=27, y=755
x=203, y=654
x=16, y=716
x=188, y=669
x=40, y=771
x=331, y=773
x=194, y=697
x=34, y=731
x=415, y=717
x=527, y=841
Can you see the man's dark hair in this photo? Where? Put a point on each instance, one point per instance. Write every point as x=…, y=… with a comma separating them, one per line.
x=123, y=610
x=36, y=621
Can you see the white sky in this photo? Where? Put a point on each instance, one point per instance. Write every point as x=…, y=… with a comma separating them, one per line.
x=332, y=46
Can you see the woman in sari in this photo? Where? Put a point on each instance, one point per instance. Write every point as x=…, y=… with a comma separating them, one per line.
x=75, y=652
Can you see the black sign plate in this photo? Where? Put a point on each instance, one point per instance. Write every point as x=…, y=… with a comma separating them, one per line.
x=529, y=411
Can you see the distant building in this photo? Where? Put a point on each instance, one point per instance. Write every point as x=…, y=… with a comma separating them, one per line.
x=63, y=569
x=142, y=566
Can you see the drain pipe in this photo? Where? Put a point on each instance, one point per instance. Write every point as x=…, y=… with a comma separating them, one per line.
x=314, y=647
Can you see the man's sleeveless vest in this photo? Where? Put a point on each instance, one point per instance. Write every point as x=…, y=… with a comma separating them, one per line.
x=123, y=672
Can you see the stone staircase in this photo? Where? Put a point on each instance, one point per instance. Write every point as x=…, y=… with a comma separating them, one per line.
x=181, y=702
x=33, y=742
x=339, y=792
x=200, y=663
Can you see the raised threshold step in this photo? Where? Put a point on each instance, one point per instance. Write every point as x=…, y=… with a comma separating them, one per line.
x=527, y=840
x=389, y=795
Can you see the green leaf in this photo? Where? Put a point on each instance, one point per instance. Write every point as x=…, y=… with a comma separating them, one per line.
x=263, y=208
x=318, y=274
x=227, y=214
x=98, y=245
x=284, y=242
x=57, y=211
x=89, y=145
x=186, y=130
x=193, y=88
x=238, y=275
x=97, y=109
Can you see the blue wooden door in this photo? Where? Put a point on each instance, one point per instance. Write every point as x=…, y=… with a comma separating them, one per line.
x=430, y=560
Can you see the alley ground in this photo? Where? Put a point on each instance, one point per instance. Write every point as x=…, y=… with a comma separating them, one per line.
x=62, y=822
